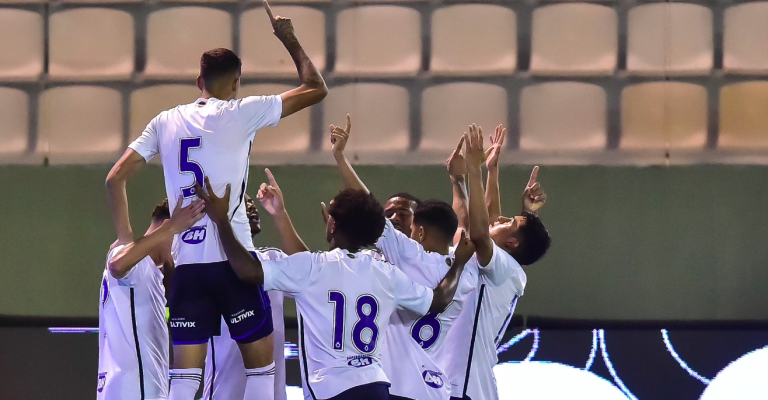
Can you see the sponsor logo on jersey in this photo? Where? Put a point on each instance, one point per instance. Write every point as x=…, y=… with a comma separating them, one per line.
x=194, y=235
x=102, y=381
x=241, y=317
x=182, y=324
x=359, y=361
x=433, y=378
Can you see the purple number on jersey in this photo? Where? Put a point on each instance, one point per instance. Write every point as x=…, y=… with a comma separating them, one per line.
x=338, y=300
x=366, y=321
x=187, y=166
x=429, y=320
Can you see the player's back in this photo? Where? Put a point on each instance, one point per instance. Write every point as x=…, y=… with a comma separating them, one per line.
x=208, y=138
x=345, y=301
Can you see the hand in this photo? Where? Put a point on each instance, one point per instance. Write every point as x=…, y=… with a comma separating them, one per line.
x=183, y=218
x=533, y=195
x=473, y=152
x=497, y=141
x=464, y=250
x=270, y=196
x=456, y=164
x=339, y=137
x=217, y=208
x=281, y=27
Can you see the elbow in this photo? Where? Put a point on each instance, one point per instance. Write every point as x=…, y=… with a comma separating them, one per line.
x=117, y=269
x=321, y=90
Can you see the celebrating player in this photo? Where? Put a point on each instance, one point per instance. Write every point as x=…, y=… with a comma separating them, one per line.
x=501, y=250
x=413, y=341
x=340, y=342
x=133, y=335
x=225, y=376
x=213, y=136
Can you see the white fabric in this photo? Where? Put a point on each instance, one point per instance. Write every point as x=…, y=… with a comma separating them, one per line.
x=229, y=381
x=260, y=383
x=408, y=362
x=320, y=282
x=501, y=283
x=224, y=131
x=139, y=297
x=185, y=383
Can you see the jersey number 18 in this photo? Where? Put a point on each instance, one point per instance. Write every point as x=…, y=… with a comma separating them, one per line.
x=367, y=309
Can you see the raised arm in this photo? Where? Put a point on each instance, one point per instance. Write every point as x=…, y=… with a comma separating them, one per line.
x=125, y=167
x=479, y=230
x=312, y=89
x=246, y=267
x=492, y=194
x=457, y=169
x=339, y=138
x=443, y=294
x=183, y=218
x=271, y=198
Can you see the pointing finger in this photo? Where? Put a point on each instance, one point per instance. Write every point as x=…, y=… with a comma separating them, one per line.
x=461, y=143
x=349, y=124
x=269, y=11
x=534, y=174
x=271, y=177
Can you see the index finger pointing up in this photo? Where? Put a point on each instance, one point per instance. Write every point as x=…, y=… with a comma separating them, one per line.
x=271, y=177
x=269, y=11
x=534, y=174
x=461, y=143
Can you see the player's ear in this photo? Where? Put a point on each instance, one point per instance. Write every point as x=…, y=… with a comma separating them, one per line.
x=512, y=243
x=422, y=234
x=200, y=83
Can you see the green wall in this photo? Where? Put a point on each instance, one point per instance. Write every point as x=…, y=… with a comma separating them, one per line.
x=628, y=242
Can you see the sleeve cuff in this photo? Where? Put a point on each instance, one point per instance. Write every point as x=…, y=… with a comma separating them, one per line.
x=266, y=267
x=277, y=111
x=146, y=155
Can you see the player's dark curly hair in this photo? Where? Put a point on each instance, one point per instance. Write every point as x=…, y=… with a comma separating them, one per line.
x=534, y=240
x=407, y=196
x=437, y=214
x=219, y=63
x=161, y=211
x=359, y=217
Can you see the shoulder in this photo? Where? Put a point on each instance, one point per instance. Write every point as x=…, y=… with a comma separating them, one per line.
x=270, y=253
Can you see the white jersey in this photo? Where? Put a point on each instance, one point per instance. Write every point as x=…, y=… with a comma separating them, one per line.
x=133, y=335
x=224, y=368
x=414, y=341
x=212, y=138
x=483, y=321
x=345, y=301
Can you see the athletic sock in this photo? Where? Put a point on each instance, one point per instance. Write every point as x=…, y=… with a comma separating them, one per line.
x=260, y=383
x=185, y=383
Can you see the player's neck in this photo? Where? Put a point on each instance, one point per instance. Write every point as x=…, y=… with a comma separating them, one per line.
x=436, y=247
x=216, y=95
x=341, y=243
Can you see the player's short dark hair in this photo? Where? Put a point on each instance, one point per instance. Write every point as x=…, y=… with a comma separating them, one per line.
x=534, y=240
x=437, y=214
x=161, y=211
x=407, y=196
x=359, y=217
x=219, y=63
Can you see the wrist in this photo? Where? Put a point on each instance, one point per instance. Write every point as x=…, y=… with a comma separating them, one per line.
x=458, y=178
x=474, y=170
x=291, y=42
x=338, y=155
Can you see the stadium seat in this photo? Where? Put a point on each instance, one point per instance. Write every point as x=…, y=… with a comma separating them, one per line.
x=80, y=124
x=91, y=43
x=263, y=54
x=14, y=130
x=367, y=44
x=177, y=37
x=149, y=101
x=563, y=116
x=380, y=117
x=490, y=47
x=574, y=39
x=291, y=135
x=21, y=45
x=661, y=115
x=745, y=38
x=448, y=109
x=670, y=38
x=743, y=116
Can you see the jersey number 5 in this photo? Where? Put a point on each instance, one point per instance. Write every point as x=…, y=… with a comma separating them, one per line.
x=187, y=166
x=365, y=332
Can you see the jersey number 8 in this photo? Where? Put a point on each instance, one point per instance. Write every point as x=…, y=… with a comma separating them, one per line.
x=367, y=309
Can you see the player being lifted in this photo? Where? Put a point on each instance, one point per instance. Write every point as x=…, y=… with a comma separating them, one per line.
x=212, y=137
x=133, y=334
x=501, y=250
x=345, y=296
x=413, y=341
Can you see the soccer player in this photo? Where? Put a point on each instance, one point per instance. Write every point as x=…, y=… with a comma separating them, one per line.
x=345, y=296
x=413, y=341
x=225, y=376
x=399, y=210
x=501, y=250
x=133, y=335
x=212, y=137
